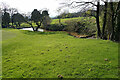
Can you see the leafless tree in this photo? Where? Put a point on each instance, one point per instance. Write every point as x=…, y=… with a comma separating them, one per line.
x=4, y=7
x=59, y=12
x=12, y=11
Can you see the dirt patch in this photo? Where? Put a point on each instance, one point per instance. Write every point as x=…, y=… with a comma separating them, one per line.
x=76, y=35
x=82, y=36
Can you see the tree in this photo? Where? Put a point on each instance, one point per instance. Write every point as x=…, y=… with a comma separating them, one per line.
x=4, y=7
x=59, y=17
x=46, y=21
x=118, y=27
x=114, y=11
x=17, y=19
x=117, y=33
x=97, y=20
x=104, y=20
x=38, y=18
x=111, y=22
x=12, y=11
x=5, y=20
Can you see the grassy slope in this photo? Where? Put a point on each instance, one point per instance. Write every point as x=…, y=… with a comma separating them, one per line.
x=56, y=21
x=34, y=55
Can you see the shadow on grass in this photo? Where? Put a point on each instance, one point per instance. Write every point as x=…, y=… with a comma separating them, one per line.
x=42, y=33
x=37, y=33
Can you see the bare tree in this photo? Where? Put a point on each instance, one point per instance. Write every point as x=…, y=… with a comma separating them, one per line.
x=59, y=12
x=4, y=7
x=12, y=11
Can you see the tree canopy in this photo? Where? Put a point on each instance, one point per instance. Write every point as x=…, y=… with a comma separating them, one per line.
x=5, y=19
x=18, y=19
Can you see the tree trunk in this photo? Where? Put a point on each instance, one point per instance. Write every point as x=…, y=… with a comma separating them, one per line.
x=32, y=27
x=118, y=28
x=12, y=23
x=104, y=21
x=19, y=24
x=59, y=21
x=117, y=33
x=16, y=25
x=97, y=21
x=113, y=24
x=38, y=26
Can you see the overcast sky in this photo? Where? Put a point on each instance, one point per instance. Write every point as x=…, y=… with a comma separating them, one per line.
x=25, y=6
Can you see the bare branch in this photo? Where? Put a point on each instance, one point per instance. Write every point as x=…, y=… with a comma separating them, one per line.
x=78, y=5
x=82, y=3
x=87, y=3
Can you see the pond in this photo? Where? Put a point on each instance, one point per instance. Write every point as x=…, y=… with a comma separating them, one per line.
x=30, y=29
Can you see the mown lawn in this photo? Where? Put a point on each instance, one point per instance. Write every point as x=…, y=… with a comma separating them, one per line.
x=46, y=55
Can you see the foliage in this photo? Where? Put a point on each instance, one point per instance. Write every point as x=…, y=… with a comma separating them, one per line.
x=5, y=20
x=46, y=21
x=24, y=25
x=110, y=28
x=84, y=26
x=55, y=27
x=36, y=16
x=17, y=19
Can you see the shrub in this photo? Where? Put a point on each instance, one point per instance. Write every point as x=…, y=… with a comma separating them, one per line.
x=81, y=27
x=55, y=27
x=25, y=25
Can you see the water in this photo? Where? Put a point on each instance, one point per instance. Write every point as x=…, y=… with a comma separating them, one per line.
x=30, y=29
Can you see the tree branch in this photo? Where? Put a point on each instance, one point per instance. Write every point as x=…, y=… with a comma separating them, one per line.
x=79, y=2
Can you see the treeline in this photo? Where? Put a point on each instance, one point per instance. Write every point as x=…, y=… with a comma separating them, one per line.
x=110, y=28
x=15, y=19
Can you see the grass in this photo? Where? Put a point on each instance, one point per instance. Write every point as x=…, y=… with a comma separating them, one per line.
x=28, y=54
x=56, y=21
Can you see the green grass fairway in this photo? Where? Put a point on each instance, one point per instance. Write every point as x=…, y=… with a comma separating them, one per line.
x=28, y=54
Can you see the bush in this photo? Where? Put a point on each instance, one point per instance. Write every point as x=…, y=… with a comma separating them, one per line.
x=81, y=27
x=25, y=25
x=55, y=27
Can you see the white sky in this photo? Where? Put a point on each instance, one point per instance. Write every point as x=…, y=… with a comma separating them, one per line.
x=25, y=6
